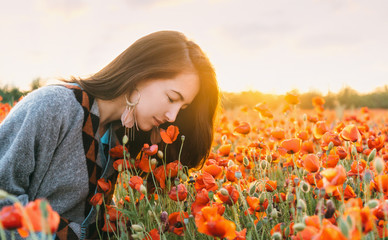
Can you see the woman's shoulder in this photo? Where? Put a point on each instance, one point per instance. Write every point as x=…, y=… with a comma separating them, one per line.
x=52, y=98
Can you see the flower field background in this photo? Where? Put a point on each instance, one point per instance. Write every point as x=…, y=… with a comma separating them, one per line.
x=281, y=173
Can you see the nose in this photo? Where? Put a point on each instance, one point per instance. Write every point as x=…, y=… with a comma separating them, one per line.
x=171, y=114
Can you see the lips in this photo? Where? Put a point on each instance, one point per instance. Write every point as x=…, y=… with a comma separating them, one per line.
x=158, y=122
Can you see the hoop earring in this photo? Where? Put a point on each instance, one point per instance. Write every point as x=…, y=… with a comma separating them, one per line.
x=128, y=118
x=155, y=135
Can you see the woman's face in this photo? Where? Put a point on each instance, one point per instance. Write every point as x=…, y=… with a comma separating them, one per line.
x=162, y=99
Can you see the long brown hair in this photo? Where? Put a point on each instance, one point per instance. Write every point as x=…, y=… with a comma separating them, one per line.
x=162, y=55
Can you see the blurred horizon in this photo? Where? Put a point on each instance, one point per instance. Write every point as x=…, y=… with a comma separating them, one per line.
x=271, y=47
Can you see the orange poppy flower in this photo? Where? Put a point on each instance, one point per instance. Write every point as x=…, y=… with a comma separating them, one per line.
x=263, y=109
x=340, y=151
x=243, y=128
x=270, y=185
x=150, y=150
x=278, y=133
x=350, y=133
x=213, y=169
x=178, y=192
x=34, y=216
x=307, y=147
x=231, y=173
x=152, y=235
x=307, y=233
x=118, y=151
x=135, y=182
x=318, y=101
x=103, y=185
x=96, y=199
x=211, y=223
x=333, y=177
x=302, y=135
x=381, y=183
x=205, y=180
x=232, y=196
x=381, y=210
x=331, y=160
x=256, y=204
x=311, y=163
x=291, y=145
x=320, y=128
x=241, y=235
x=176, y=222
x=329, y=232
x=376, y=142
x=169, y=135
x=120, y=164
x=145, y=164
x=201, y=200
x=11, y=217
x=328, y=137
x=224, y=150
x=292, y=98
x=357, y=167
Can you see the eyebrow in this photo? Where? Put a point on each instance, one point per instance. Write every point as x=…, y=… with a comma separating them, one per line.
x=180, y=95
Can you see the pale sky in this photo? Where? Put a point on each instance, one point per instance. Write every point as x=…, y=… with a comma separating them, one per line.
x=272, y=46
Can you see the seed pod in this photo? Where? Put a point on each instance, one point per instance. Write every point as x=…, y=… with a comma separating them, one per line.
x=305, y=187
x=373, y=203
x=379, y=165
x=224, y=192
x=277, y=236
x=354, y=150
x=143, y=189
x=331, y=145
x=154, y=161
x=230, y=163
x=137, y=227
x=269, y=158
x=372, y=155
x=184, y=177
x=299, y=227
x=160, y=154
x=245, y=161
x=238, y=174
x=125, y=139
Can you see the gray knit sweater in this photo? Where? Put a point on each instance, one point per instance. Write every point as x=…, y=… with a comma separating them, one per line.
x=42, y=154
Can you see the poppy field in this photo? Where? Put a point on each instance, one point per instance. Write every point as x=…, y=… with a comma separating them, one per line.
x=283, y=173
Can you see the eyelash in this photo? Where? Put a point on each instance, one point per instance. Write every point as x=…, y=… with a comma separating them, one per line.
x=170, y=100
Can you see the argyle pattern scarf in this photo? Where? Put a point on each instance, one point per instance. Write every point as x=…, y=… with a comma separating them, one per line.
x=90, y=126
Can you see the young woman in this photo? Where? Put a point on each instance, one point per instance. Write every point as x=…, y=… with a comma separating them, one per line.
x=54, y=142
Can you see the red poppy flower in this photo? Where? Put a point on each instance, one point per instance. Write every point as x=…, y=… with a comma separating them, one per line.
x=176, y=223
x=144, y=163
x=213, y=169
x=152, y=235
x=117, y=152
x=178, y=192
x=97, y=199
x=320, y=128
x=205, y=180
x=278, y=133
x=333, y=177
x=202, y=199
x=104, y=185
x=340, y=151
x=224, y=150
x=169, y=135
x=135, y=182
x=150, y=150
x=11, y=217
x=318, y=101
x=35, y=217
x=270, y=185
x=231, y=197
x=211, y=223
x=376, y=142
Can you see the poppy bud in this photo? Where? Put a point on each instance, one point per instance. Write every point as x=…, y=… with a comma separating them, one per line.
x=183, y=138
x=184, y=177
x=331, y=145
x=125, y=139
x=211, y=195
x=177, y=181
x=262, y=198
x=299, y=227
x=269, y=158
x=290, y=197
x=330, y=209
x=143, y=189
x=344, y=227
x=372, y=155
x=373, y=203
x=128, y=155
x=277, y=236
x=164, y=217
x=160, y=154
x=245, y=161
x=230, y=163
x=379, y=165
x=238, y=174
x=305, y=187
x=305, y=117
x=274, y=213
x=301, y=205
x=224, y=138
x=263, y=164
x=154, y=161
x=120, y=168
x=137, y=228
x=224, y=192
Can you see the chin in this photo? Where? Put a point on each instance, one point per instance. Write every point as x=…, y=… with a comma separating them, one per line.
x=145, y=128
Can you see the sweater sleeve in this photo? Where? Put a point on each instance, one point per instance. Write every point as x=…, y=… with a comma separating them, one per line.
x=29, y=135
